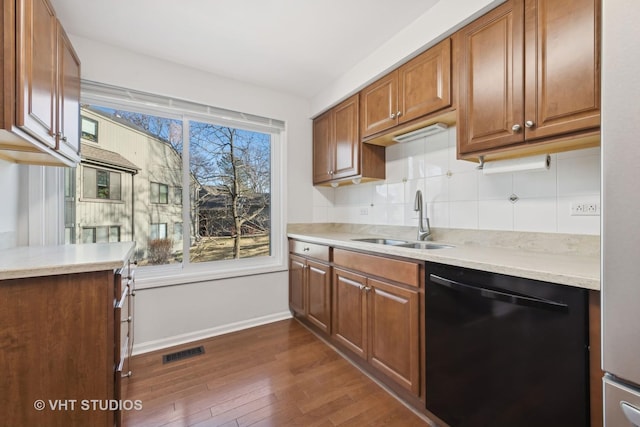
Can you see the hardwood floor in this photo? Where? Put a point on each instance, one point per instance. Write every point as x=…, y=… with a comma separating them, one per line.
x=278, y=374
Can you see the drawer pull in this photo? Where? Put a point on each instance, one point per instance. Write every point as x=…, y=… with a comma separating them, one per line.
x=127, y=375
x=127, y=320
x=120, y=303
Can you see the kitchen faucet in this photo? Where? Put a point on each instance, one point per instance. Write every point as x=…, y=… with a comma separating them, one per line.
x=423, y=232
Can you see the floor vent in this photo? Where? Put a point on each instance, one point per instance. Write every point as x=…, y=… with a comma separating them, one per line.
x=183, y=354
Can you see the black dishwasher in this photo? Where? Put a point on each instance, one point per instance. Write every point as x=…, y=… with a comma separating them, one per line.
x=503, y=351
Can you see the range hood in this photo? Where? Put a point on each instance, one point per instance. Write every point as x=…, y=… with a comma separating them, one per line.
x=421, y=133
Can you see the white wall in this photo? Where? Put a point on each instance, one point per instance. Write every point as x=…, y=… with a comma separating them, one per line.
x=9, y=206
x=460, y=196
x=169, y=315
x=443, y=19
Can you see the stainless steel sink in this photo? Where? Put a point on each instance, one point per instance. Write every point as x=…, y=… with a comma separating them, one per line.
x=393, y=242
x=403, y=243
x=424, y=245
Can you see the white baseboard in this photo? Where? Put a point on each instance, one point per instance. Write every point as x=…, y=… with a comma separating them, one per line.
x=146, y=347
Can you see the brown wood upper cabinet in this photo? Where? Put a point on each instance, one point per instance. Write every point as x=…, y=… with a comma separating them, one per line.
x=338, y=153
x=528, y=70
x=416, y=89
x=40, y=80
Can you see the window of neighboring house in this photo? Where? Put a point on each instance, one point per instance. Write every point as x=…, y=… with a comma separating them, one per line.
x=100, y=184
x=159, y=193
x=101, y=234
x=89, y=129
x=69, y=205
x=209, y=181
x=177, y=232
x=158, y=231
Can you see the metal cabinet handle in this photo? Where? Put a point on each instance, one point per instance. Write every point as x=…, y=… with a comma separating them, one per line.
x=367, y=288
x=306, y=249
x=127, y=320
x=120, y=303
x=127, y=375
x=392, y=116
x=632, y=413
x=361, y=287
x=399, y=113
x=529, y=124
x=516, y=128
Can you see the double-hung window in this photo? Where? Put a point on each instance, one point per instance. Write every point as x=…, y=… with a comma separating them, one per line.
x=100, y=184
x=159, y=193
x=206, y=199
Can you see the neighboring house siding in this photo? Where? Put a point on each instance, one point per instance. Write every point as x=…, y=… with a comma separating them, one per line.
x=157, y=162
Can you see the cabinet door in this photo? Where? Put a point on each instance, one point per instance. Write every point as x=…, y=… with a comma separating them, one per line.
x=491, y=80
x=322, y=148
x=319, y=295
x=562, y=66
x=68, y=117
x=379, y=105
x=296, y=284
x=36, y=27
x=349, y=311
x=425, y=83
x=394, y=342
x=346, y=138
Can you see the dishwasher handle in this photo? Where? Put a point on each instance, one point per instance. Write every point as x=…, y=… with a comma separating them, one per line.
x=511, y=298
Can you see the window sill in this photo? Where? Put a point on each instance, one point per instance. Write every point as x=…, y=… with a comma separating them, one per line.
x=176, y=275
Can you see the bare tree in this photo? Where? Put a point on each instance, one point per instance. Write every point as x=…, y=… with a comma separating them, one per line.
x=238, y=163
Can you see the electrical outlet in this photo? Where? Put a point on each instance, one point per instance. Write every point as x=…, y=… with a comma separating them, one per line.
x=364, y=211
x=585, y=209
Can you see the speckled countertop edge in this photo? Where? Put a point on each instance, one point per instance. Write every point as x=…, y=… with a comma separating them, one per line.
x=577, y=270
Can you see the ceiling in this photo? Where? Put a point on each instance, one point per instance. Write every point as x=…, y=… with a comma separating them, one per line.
x=295, y=46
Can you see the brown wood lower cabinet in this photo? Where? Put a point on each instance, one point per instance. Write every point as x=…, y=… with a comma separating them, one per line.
x=378, y=321
x=374, y=316
x=60, y=340
x=310, y=284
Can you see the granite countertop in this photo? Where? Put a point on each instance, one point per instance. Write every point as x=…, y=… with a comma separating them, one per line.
x=33, y=261
x=573, y=267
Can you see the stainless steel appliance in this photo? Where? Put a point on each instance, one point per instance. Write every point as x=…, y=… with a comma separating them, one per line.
x=504, y=351
x=621, y=212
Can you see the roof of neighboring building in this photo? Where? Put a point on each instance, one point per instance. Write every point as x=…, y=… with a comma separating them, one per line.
x=102, y=157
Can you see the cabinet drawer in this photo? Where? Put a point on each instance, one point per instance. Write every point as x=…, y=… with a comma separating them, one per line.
x=311, y=250
x=407, y=272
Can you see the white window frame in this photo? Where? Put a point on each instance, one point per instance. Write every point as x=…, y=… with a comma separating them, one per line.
x=178, y=274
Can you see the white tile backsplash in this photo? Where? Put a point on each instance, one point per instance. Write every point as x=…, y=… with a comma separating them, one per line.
x=457, y=195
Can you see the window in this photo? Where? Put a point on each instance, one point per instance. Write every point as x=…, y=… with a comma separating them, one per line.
x=69, y=205
x=101, y=184
x=158, y=231
x=206, y=185
x=102, y=234
x=159, y=193
x=89, y=129
x=177, y=232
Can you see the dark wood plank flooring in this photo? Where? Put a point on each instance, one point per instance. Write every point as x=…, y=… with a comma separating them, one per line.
x=278, y=374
